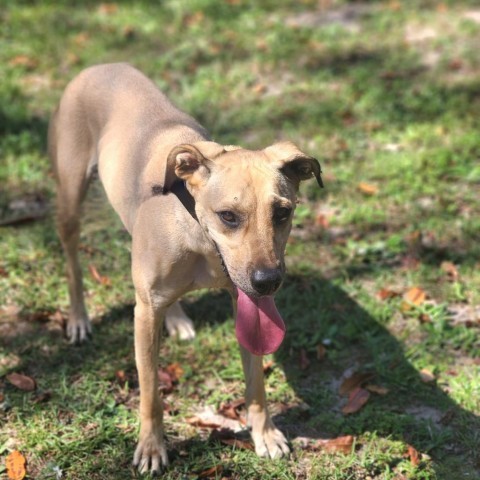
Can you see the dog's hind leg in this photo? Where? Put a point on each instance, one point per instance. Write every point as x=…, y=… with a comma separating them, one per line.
x=178, y=324
x=72, y=172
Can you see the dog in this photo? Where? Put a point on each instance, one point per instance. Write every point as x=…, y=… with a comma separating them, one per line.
x=200, y=215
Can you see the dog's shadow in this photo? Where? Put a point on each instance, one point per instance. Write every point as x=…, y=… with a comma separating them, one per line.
x=408, y=408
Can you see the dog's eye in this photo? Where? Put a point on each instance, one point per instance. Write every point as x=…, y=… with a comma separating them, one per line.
x=281, y=215
x=228, y=218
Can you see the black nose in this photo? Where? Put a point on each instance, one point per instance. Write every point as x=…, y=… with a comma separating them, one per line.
x=266, y=280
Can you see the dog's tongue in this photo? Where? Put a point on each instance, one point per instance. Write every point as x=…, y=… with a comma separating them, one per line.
x=259, y=326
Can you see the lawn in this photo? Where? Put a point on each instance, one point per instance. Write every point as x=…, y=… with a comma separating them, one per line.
x=382, y=300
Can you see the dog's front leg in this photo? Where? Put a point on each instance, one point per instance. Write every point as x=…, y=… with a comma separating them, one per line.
x=150, y=453
x=268, y=440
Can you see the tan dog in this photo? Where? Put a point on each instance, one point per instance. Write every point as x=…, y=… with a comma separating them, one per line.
x=200, y=215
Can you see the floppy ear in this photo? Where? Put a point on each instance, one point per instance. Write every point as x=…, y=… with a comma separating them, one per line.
x=187, y=162
x=295, y=164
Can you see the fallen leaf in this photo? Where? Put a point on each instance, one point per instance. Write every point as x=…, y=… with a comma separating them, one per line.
x=426, y=376
x=450, y=269
x=211, y=472
x=23, y=61
x=354, y=381
x=259, y=88
x=321, y=352
x=107, y=8
x=367, y=188
x=231, y=410
x=228, y=437
x=340, y=444
x=357, y=399
x=165, y=382
x=414, y=296
x=304, y=361
x=321, y=220
x=175, y=371
x=42, y=397
x=199, y=422
x=377, y=389
x=27, y=384
x=268, y=367
x=386, y=293
x=99, y=278
x=413, y=455
x=16, y=465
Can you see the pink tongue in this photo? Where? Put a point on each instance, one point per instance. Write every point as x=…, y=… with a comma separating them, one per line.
x=259, y=326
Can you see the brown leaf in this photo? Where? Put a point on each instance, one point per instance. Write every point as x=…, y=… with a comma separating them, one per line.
x=304, y=361
x=450, y=269
x=107, y=8
x=268, y=367
x=23, y=61
x=198, y=422
x=413, y=455
x=367, y=188
x=175, y=371
x=357, y=399
x=165, y=382
x=376, y=389
x=99, y=278
x=16, y=466
x=321, y=352
x=211, y=472
x=426, y=376
x=414, y=296
x=228, y=437
x=27, y=384
x=386, y=293
x=340, y=444
x=354, y=381
x=42, y=397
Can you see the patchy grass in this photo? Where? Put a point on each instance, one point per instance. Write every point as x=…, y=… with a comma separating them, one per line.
x=386, y=95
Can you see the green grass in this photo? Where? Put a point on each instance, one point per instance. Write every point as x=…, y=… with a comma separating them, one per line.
x=389, y=97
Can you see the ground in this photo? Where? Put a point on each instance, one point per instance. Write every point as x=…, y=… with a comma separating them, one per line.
x=382, y=301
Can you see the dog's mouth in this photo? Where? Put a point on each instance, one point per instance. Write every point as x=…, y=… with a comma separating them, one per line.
x=258, y=326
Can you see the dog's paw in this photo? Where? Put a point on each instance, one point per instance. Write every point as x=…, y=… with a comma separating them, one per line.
x=178, y=324
x=270, y=443
x=78, y=329
x=150, y=455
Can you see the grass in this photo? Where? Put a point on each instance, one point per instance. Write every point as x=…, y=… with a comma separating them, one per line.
x=383, y=93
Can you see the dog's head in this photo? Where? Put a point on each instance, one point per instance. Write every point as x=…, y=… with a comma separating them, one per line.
x=245, y=201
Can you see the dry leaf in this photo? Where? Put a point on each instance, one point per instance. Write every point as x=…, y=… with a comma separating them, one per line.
x=211, y=472
x=268, y=366
x=230, y=410
x=377, y=389
x=23, y=61
x=321, y=351
x=426, y=376
x=99, y=278
x=354, y=381
x=198, y=422
x=357, y=399
x=175, y=371
x=27, y=384
x=386, y=293
x=304, y=361
x=450, y=269
x=228, y=437
x=259, y=88
x=340, y=444
x=16, y=465
x=367, y=188
x=414, y=296
x=107, y=8
x=413, y=455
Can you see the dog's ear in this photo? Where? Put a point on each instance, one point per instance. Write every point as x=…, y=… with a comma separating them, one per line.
x=295, y=164
x=191, y=163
